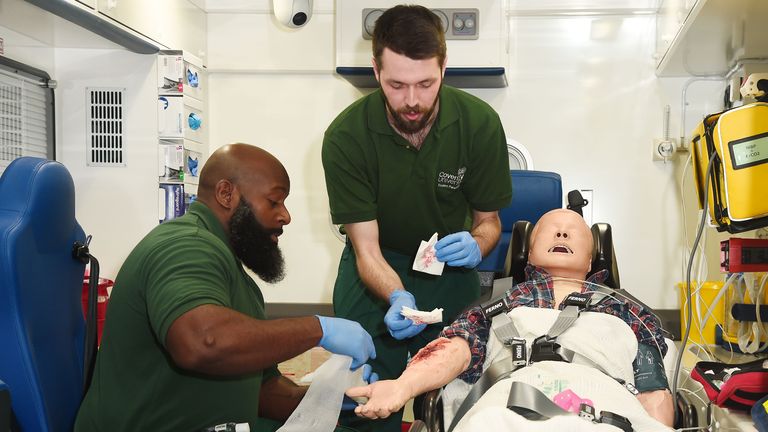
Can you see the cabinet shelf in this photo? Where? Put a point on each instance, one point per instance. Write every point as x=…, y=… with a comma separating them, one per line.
x=182, y=130
x=715, y=36
x=462, y=77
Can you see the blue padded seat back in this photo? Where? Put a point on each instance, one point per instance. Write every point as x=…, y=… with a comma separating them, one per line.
x=41, y=318
x=533, y=194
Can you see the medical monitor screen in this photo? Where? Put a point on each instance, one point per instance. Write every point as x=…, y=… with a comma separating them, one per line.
x=750, y=151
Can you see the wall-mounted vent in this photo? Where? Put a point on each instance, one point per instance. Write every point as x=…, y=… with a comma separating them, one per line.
x=105, y=126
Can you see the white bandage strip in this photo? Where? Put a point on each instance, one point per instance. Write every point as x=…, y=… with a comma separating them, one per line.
x=422, y=317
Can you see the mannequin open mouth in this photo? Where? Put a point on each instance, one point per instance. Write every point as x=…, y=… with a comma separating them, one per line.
x=560, y=249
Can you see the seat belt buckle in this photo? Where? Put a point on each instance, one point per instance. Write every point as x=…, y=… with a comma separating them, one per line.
x=519, y=351
x=587, y=412
x=544, y=348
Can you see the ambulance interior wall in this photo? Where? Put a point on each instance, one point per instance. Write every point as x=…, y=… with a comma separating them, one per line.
x=586, y=106
x=117, y=205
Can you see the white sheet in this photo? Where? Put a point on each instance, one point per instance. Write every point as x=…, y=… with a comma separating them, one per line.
x=504, y=422
x=597, y=338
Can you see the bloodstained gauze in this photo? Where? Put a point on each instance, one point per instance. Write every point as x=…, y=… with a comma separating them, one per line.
x=429, y=257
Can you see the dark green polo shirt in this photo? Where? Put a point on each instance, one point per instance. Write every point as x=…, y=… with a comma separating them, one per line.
x=179, y=265
x=371, y=172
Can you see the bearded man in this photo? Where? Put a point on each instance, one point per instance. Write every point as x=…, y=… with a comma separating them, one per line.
x=411, y=159
x=186, y=342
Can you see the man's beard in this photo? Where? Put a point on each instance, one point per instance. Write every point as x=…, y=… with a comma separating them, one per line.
x=410, y=127
x=253, y=244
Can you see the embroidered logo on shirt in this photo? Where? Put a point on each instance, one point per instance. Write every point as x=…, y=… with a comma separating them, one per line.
x=451, y=181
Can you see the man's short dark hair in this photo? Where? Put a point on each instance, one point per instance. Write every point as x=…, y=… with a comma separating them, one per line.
x=410, y=30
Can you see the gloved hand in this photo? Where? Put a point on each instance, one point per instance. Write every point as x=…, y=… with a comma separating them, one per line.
x=458, y=250
x=342, y=336
x=369, y=377
x=399, y=326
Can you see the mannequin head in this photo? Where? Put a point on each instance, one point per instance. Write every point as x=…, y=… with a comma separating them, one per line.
x=561, y=244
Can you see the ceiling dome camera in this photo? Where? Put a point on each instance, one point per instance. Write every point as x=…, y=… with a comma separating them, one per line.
x=292, y=13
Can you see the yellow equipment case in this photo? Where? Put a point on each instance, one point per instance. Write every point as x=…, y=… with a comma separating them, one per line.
x=738, y=185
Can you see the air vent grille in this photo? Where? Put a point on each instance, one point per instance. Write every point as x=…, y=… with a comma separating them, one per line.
x=105, y=126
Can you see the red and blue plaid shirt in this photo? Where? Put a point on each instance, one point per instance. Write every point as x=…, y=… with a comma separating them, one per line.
x=538, y=292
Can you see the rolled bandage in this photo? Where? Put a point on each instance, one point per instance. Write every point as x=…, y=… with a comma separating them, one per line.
x=421, y=317
x=320, y=407
x=355, y=380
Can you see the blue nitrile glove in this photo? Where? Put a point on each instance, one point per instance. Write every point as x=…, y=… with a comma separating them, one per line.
x=370, y=377
x=458, y=250
x=342, y=336
x=399, y=326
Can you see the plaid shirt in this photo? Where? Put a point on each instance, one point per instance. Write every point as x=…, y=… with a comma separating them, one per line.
x=538, y=292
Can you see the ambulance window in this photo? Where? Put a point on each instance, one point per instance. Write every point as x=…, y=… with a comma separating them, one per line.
x=26, y=112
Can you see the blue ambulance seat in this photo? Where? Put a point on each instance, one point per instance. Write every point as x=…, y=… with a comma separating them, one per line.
x=42, y=328
x=533, y=194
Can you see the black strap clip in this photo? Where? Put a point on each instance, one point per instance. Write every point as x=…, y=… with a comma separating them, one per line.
x=587, y=412
x=519, y=351
x=617, y=420
x=580, y=300
x=494, y=307
x=80, y=251
x=545, y=348
x=629, y=386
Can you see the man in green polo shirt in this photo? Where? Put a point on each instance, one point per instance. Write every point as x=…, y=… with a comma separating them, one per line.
x=413, y=158
x=186, y=343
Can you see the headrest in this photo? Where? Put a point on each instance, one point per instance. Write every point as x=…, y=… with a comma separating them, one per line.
x=40, y=190
x=517, y=258
x=603, y=255
x=533, y=194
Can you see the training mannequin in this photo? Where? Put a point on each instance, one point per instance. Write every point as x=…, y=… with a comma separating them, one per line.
x=559, y=261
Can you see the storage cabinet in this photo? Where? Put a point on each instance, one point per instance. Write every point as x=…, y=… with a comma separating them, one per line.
x=182, y=130
x=709, y=37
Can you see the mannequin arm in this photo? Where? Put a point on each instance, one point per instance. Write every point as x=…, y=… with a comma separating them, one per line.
x=658, y=403
x=434, y=366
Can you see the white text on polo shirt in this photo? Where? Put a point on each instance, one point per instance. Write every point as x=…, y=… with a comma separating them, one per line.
x=452, y=181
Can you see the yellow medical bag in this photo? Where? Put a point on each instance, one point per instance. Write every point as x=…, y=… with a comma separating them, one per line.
x=738, y=185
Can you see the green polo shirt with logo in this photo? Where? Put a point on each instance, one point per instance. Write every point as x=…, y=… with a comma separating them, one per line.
x=179, y=265
x=372, y=172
